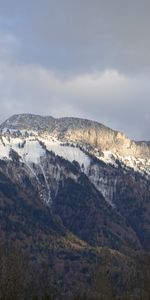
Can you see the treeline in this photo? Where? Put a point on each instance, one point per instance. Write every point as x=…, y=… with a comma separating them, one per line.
x=24, y=279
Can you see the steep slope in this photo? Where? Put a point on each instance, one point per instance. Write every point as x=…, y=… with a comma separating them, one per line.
x=66, y=192
x=49, y=156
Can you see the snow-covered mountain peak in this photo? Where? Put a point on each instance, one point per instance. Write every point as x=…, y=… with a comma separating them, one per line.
x=86, y=144
x=80, y=131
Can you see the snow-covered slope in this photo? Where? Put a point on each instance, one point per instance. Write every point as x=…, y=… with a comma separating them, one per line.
x=31, y=147
x=29, y=150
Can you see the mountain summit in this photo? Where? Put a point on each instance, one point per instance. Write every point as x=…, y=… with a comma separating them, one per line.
x=80, y=130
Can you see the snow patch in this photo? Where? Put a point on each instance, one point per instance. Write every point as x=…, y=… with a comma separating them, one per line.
x=30, y=152
x=68, y=152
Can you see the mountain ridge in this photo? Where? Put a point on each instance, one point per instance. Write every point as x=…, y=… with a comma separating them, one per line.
x=77, y=130
x=50, y=117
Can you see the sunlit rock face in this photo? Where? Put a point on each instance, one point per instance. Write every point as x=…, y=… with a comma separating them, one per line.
x=107, y=139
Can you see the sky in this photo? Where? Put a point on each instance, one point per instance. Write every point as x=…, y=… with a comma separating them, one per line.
x=81, y=58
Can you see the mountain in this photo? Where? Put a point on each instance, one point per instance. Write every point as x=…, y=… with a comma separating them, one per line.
x=70, y=186
x=51, y=155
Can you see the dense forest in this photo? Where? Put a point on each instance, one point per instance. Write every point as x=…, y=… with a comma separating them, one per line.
x=111, y=276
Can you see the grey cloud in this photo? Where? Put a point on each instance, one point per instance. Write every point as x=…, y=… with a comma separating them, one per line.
x=82, y=35
x=109, y=97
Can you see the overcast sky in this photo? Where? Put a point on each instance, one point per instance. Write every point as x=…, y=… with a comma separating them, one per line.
x=85, y=58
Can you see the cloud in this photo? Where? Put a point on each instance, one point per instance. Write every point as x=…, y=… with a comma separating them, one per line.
x=109, y=97
x=83, y=35
x=9, y=46
x=81, y=58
